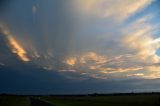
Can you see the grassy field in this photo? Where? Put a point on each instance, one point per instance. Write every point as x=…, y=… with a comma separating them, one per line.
x=14, y=101
x=127, y=100
x=120, y=100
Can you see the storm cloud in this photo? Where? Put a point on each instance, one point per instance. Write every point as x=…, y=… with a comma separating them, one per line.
x=97, y=41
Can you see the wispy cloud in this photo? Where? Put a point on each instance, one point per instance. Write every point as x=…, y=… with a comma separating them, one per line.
x=139, y=38
x=137, y=57
x=35, y=8
x=117, y=9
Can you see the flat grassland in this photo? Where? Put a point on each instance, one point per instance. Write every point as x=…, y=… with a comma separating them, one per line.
x=110, y=100
x=14, y=101
x=121, y=100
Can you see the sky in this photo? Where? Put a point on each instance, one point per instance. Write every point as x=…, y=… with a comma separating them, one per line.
x=79, y=46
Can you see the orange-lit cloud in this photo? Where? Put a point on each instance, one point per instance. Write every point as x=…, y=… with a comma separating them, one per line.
x=118, y=9
x=17, y=49
x=139, y=39
x=137, y=74
x=99, y=66
x=14, y=45
x=92, y=56
x=71, y=61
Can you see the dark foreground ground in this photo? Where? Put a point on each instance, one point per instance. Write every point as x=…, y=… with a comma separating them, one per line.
x=37, y=102
x=82, y=100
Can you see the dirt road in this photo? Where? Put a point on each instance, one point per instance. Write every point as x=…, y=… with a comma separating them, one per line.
x=37, y=102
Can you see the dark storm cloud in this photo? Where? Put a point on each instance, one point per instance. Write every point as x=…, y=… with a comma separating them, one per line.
x=46, y=31
x=49, y=29
x=6, y=56
x=27, y=81
x=53, y=46
x=3, y=4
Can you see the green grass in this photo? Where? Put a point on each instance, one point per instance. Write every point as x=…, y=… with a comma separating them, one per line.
x=133, y=100
x=128, y=100
x=14, y=101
